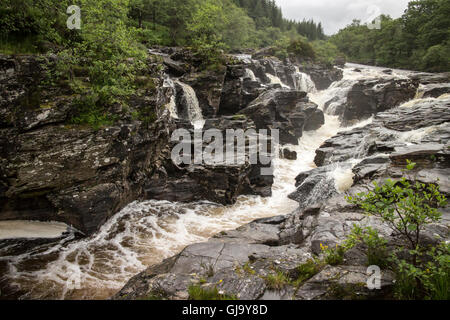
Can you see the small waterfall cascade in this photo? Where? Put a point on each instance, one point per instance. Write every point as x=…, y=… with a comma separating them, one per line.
x=171, y=106
x=276, y=80
x=194, y=110
x=249, y=74
x=303, y=82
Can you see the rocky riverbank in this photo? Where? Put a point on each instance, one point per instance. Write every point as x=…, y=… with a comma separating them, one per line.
x=53, y=169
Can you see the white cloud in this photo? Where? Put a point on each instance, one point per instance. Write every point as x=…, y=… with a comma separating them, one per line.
x=336, y=14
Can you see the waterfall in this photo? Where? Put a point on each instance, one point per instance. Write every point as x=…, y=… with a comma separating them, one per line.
x=275, y=80
x=303, y=82
x=171, y=106
x=249, y=74
x=194, y=110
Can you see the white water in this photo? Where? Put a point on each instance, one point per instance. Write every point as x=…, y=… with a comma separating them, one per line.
x=249, y=74
x=339, y=90
x=303, y=82
x=194, y=110
x=275, y=80
x=144, y=233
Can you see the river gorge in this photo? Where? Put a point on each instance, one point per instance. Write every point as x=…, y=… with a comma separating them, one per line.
x=371, y=120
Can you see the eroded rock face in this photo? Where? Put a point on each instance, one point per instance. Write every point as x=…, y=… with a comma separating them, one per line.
x=323, y=77
x=220, y=183
x=369, y=97
x=287, y=110
x=51, y=169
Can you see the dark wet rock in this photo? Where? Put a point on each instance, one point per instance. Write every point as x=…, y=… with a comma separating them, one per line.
x=242, y=258
x=288, y=154
x=286, y=110
x=368, y=97
x=218, y=182
x=323, y=76
x=208, y=88
x=435, y=90
x=51, y=169
x=430, y=78
x=427, y=122
x=176, y=68
x=238, y=90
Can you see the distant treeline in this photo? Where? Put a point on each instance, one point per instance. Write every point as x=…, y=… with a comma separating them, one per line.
x=419, y=40
x=266, y=13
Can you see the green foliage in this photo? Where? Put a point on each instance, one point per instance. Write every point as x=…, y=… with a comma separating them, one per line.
x=87, y=112
x=405, y=206
x=326, y=52
x=428, y=279
x=197, y=292
x=418, y=40
x=376, y=246
x=301, y=48
x=308, y=270
x=333, y=256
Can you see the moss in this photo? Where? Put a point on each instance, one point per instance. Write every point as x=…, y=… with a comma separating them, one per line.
x=347, y=292
x=239, y=117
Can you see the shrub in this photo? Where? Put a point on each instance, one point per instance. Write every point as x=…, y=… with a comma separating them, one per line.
x=301, y=48
x=333, y=256
x=405, y=206
x=429, y=279
x=307, y=270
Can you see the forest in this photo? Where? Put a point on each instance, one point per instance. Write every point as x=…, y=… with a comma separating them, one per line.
x=111, y=44
x=419, y=40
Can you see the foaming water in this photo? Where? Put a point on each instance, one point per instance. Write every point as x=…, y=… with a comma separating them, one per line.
x=194, y=110
x=276, y=80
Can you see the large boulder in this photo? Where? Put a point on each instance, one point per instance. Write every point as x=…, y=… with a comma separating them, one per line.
x=239, y=89
x=368, y=97
x=219, y=182
x=286, y=110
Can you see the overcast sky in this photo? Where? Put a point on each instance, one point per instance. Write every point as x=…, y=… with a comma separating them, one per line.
x=336, y=14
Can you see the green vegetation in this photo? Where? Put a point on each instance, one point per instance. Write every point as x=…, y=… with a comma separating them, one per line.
x=428, y=279
x=419, y=40
x=308, y=270
x=333, y=256
x=407, y=207
x=197, y=292
x=104, y=60
x=277, y=281
x=376, y=246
